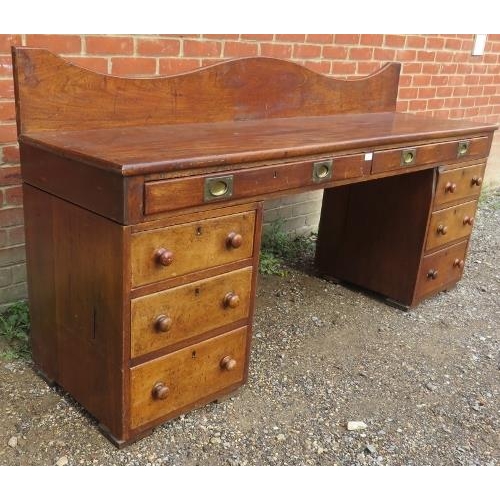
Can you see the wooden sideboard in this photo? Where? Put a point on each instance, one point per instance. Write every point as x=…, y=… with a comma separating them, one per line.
x=143, y=212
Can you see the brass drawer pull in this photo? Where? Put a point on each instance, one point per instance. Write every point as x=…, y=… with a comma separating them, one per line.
x=322, y=170
x=458, y=263
x=408, y=156
x=160, y=391
x=231, y=300
x=442, y=229
x=432, y=274
x=164, y=257
x=218, y=188
x=234, y=240
x=450, y=187
x=476, y=180
x=163, y=323
x=228, y=363
x=463, y=148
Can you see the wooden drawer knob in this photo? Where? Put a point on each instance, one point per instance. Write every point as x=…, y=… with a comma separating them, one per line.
x=164, y=257
x=163, y=323
x=228, y=363
x=442, y=229
x=234, y=240
x=231, y=300
x=160, y=391
x=468, y=220
x=450, y=187
x=432, y=274
x=458, y=263
x=476, y=180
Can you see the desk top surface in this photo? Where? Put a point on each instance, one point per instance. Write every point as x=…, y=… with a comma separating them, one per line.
x=150, y=149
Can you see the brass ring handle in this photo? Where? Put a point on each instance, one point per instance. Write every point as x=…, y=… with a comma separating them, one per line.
x=442, y=229
x=463, y=148
x=163, y=323
x=432, y=274
x=160, y=391
x=164, y=257
x=234, y=240
x=228, y=363
x=476, y=180
x=468, y=220
x=408, y=156
x=458, y=263
x=450, y=187
x=231, y=300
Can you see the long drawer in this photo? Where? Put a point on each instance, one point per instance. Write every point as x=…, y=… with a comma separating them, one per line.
x=184, y=248
x=450, y=224
x=173, y=315
x=183, y=378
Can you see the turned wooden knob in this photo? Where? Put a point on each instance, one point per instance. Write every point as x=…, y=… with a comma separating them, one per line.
x=442, y=229
x=476, y=180
x=234, y=240
x=468, y=220
x=458, y=263
x=163, y=323
x=432, y=274
x=160, y=391
x=232, y=300
x=164, y=257
x=228, y=363
x=450, y=187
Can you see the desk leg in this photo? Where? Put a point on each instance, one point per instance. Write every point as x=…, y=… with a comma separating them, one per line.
x=372, y=234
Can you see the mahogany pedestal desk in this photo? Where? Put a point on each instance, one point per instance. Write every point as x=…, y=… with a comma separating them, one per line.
x=143, y=211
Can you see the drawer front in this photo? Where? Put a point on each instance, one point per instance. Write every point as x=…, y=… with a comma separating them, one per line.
x=174, y=194
x=441, y=268
x=428, y=154
x=173, y=315
x=459, y=183
x=184, y=377
x=176, y=250
x=450, y=224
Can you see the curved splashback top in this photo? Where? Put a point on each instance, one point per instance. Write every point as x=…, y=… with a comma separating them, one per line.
x=54, y=94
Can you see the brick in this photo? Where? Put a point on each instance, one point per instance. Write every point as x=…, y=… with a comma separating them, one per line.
x=5, y=276
x=222, y=37
x=435, y=103
x=464, y=69
x=343, y=68
x=265, y=37
x=13, y=293
x=174, y=66
x=460, y=91
x=12, y=255
x=449, y=68
x=434, y=42
x=430, y=69
x=402, y=106
x=439, y=80
x=9, y=176
x=425, y=55
x=408, y=93
x=394, y=41
x=196, y=48
x=489, y=90
x=417, y=105
x=460, y=57
x=347, y=39
x=426, y=92
x=322, y=67
x=5, y=66
x=109, y=45
x=279, y=50
x=306, y=51
x=60, y=44
x=456, y=80
x=441, y=113
x=406, y=55
x=421, y=80
x=471, y=80
x=334, y=52
x=466, y=102
x=412, y=68
x=318, y=38
x=13, y=195
x=482, y=101
x=15, y=235
x=467, y=45
x=405, y=80
x=360, y=53
x=384, y=54
x=6, y=41
x=11, y=217
x=8, y=133
x=490, y=58
x=18, y=273
x=240, y=49
x=7, y=111
x=452, y=44
x=133, y=66
x=291, y=38
x=443, y=56
x=415, y=42
x=99, y=64
x=9, y=154
x=376, y=40
x=366, y=68
x=6, y=89
x=158, y=47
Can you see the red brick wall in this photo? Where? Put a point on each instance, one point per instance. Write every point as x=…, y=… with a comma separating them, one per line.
x=439, y=78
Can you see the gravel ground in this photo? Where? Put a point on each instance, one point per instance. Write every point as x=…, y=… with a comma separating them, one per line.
x=425, y=383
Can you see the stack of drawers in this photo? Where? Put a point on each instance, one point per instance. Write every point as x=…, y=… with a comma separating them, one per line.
x=454, y=206
x=192, y=289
